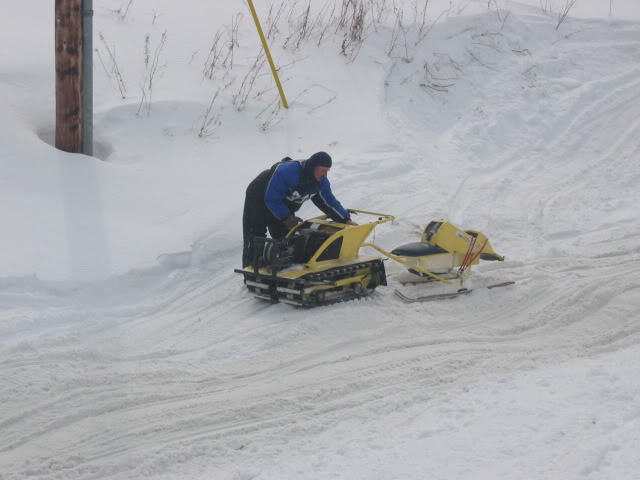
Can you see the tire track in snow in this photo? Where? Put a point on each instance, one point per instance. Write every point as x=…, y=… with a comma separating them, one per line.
x=352, y=383
x=521, y=169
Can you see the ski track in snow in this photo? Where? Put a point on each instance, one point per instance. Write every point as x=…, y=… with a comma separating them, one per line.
x=197, y=371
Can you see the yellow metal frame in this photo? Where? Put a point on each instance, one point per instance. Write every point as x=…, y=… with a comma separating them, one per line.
x=267, y=52
x=352, y=236
x=413, y=266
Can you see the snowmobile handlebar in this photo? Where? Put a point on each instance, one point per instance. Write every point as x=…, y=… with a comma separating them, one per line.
x=382, y=217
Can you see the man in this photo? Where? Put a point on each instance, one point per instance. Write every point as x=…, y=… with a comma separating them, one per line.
x=276, y=194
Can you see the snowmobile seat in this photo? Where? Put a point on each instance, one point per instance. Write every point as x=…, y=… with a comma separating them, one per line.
x=417, y=249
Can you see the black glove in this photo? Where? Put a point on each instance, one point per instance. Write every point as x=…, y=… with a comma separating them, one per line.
x=291, y=221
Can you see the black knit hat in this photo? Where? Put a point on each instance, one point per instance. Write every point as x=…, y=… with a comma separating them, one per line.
x=320, y=159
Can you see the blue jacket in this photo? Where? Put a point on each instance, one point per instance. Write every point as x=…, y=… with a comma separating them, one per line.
x=286, y=193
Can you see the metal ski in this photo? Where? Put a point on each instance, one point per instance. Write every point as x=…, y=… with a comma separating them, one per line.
x=438, y=296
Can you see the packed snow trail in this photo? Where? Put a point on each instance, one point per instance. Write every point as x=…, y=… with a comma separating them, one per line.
x=185, y=382
x=176, y=372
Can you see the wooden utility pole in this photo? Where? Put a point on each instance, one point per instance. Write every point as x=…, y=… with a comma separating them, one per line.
x=69, y=104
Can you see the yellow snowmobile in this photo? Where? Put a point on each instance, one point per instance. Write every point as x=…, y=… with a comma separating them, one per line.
x=318, y=262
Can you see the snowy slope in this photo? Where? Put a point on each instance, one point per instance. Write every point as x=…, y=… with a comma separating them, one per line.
x=163, y=367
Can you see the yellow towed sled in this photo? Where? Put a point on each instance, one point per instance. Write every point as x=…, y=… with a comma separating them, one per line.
x=319, y=262
x=445, y=253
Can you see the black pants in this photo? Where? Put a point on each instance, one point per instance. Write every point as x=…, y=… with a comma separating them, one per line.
x=256, y=219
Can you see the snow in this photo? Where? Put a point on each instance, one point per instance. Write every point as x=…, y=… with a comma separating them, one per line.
x=129, y=348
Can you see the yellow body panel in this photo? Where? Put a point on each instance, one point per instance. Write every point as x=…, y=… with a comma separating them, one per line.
x=353, y=238
x=449, y=237
x=455, y=240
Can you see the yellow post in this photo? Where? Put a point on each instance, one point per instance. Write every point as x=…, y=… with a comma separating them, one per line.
x=268, y=53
